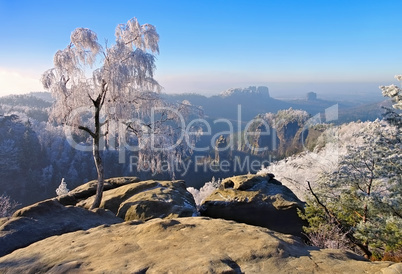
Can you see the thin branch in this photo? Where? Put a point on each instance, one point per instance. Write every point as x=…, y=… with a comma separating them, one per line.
x=104, y=134
x=132, y=41
x=101, y=98
x=104, y=123
x=321, y=204
x=347, y=232
x=90, y=97
x=133, y=130
x=395, y=212
x=86, y=129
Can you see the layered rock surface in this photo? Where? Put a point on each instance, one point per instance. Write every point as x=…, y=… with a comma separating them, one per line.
x=46, y=219
x=58, y=236
x=124, y=198
x=146, y=200
x=130, y=199
x=184, y=245
x=256, y=200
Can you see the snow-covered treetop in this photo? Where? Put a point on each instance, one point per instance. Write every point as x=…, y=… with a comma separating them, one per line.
x=393, y=92
x=121, y=74
x=286, y=116
x=138, y=36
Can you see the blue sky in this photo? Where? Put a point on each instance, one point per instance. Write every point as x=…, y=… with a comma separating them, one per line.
x=209, y=46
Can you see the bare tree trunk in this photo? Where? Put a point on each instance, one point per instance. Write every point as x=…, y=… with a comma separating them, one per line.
x=99, y=169
x=96, y=148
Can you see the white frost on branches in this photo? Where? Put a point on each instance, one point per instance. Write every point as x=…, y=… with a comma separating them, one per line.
x=205, y=191
x=124, y=70
x=110, y=91
x=7, y=206
x=393, y=92
x=296, y=170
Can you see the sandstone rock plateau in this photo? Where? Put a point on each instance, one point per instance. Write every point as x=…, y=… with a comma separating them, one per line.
x=61, y=235
x=45, y=219
x=183, y=245
x=124, y=198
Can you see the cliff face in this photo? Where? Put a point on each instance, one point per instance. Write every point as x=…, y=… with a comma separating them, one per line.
x=280, y=134
x=291, y=137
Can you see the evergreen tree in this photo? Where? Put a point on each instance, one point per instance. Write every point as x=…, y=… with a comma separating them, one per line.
x=360, y=204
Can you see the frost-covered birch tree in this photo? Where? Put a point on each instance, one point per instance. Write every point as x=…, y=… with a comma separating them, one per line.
x=112, y=83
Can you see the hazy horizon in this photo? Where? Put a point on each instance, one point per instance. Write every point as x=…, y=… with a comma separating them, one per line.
x=357, y=92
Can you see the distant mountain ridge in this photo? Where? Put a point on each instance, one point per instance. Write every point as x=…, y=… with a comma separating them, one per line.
x=251, y=90
x=252, y=101
x=234, y=103
x=43, y=95
x=28, y=100
x=255, y=100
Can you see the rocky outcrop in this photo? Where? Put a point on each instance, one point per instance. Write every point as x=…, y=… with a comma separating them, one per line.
x=146, y=200
x=46, y=219
x=311, y=96
x=281, y=134
x=131, y=199
x=184, y=245
x=256, y=200
x=222, y=151
x=87, y=190
x=49, y=237
x=124, y=198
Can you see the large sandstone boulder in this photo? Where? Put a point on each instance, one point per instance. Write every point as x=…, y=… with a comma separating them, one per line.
x=146, y=200
x=124, y=198
x=48, y=218
x=256, y=200
x=87, y=190
x=184, y=245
